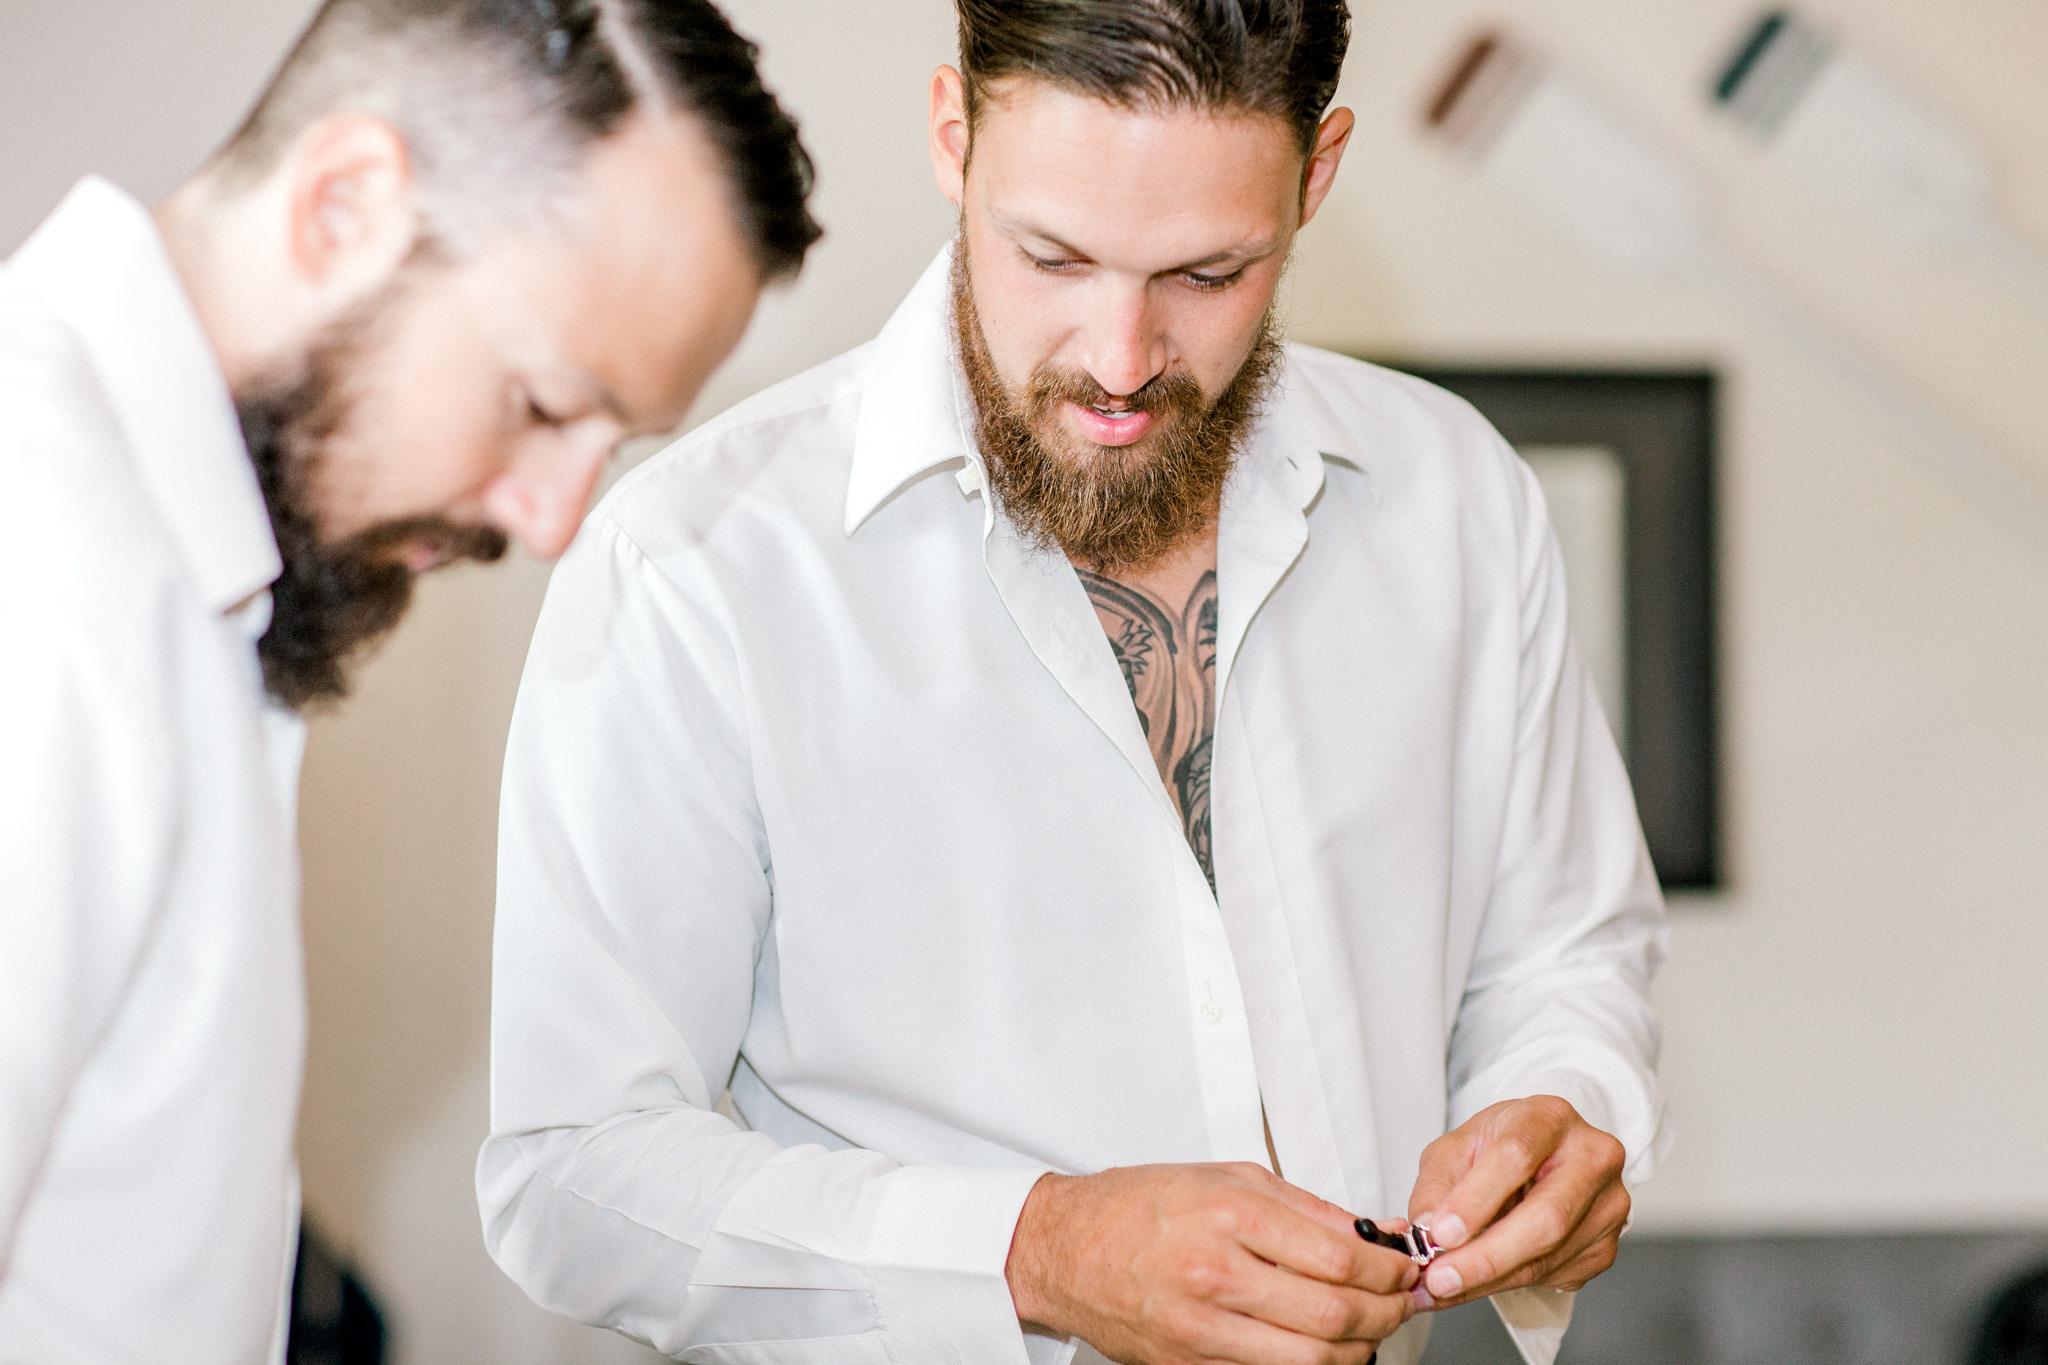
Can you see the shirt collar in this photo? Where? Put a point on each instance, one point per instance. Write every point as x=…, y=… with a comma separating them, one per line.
x=100, y=266
x=913, y=408
x=914, y=411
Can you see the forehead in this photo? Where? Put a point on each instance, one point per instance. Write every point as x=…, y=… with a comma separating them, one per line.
x=1145, y=182
x=649, y=278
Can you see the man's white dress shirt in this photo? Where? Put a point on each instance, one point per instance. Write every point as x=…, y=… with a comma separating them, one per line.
x=825, y=787
x=151, y=997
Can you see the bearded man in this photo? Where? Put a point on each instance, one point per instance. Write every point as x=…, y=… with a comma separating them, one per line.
x=460, y=250
x=876, y=981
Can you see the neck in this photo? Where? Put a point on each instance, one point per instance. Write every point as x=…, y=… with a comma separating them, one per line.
x=228, y=257
x=1171, y=576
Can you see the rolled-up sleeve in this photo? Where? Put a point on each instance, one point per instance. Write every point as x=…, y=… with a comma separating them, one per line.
x=634, y=896
x=1557, y=1000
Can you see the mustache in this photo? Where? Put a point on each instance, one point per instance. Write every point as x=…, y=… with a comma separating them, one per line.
x=450, y=541
x=1173, y=393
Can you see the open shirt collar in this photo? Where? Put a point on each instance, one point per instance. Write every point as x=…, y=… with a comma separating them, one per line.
x=916, y=414
x=98, y=263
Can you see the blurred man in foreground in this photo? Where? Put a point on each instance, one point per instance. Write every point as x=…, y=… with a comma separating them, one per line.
x=1104, y=790
x=460, y=250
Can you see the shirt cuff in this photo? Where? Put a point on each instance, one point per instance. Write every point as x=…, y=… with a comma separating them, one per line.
x=1536, y=1319
x=940, y=1245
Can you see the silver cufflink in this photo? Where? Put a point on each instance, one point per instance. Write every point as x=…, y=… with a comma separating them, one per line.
x=1415, y=1243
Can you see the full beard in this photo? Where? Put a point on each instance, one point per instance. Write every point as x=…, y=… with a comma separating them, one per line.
x=1107, y=509
x=333, y=600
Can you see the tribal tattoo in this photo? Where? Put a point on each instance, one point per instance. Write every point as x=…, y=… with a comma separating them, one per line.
x=1168, y=659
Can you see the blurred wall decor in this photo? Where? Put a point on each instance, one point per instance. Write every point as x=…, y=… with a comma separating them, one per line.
x=1826, y=113
x=1627, y=464
x=1566, y=151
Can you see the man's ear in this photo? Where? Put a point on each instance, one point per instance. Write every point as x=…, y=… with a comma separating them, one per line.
x=949, y=134
x=1331, y=140
x=351, y=215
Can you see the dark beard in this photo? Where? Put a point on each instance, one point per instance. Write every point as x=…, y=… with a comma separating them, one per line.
x=1108, y=509
x=332, y=601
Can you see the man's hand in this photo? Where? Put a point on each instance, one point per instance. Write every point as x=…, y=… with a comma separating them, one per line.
x=1542, y=1183
x=1170, y=1265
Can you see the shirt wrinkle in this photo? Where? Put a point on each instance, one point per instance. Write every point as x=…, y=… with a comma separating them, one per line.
x=744, y=833
x=990, y=955
x=158, y=810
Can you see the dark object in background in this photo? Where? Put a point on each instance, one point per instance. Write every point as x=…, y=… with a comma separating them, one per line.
x=2015, y=1326
x=1882, y=1298
x=334, y=1319
x=1662, y=426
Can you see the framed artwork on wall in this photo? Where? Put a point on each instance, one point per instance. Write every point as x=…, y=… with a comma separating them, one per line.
x=1627, y=463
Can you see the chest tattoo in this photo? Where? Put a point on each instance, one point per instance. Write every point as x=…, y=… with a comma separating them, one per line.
x=1168, y=658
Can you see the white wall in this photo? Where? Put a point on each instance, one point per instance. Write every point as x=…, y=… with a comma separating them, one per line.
x=1855, y=1032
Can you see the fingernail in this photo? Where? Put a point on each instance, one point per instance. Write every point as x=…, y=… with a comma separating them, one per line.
x=1421, y=1299
x=1444, y=1281
x=1451, y=1232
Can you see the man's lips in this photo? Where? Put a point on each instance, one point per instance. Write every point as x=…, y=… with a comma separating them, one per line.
x=421, y=557
x=1107, y=429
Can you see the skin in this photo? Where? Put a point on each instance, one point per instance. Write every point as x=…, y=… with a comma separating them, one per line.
x=1127, y=243
x=1123, y=243
x=1541, y=1184
x=504, y=380
x=1178, y=588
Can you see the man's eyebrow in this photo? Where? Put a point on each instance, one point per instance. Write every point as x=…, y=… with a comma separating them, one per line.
x=1015, y=228
x=1012, y=227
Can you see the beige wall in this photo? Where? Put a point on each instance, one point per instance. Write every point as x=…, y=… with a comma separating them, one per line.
x=1854, y=1031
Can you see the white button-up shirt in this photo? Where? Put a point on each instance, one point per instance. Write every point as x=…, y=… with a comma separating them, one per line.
x=824, y=787
x=151, y=997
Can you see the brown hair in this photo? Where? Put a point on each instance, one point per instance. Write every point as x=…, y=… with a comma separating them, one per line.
x=496, y=98
x=1278, y=57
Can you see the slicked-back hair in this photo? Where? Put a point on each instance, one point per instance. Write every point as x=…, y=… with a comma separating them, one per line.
x=497, y=100
x=1278, y=57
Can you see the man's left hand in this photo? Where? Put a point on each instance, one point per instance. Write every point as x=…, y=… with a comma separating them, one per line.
x=1541, y=1187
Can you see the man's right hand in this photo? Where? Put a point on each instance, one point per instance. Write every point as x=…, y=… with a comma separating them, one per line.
x=1173, y=1265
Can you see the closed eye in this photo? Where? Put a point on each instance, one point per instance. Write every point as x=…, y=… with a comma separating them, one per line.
x=542, y=417
x=1210, y=283
x=1052, y=265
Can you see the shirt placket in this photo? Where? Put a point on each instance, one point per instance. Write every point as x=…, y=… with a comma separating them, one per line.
x=1264, y=531
x=1045, y=599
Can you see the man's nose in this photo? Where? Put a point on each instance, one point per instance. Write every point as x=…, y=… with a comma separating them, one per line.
x=540, y=501
x=1124, y=346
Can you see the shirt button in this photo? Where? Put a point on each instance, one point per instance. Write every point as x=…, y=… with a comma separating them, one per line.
x=1212, y=1012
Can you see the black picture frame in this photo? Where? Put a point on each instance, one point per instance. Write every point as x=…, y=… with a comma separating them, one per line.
x=1663, y=426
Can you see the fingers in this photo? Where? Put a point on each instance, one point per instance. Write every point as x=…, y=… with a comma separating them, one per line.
x=1273, y=1231
x=1561, y=1234
x=1444, y=1163
x=1526, y=1247
x=1246, y=1341
x=1312, y=1308
x=1542, y=1183
x=1592, y=1251
x=1497, y=1152
x=1202, y=1263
